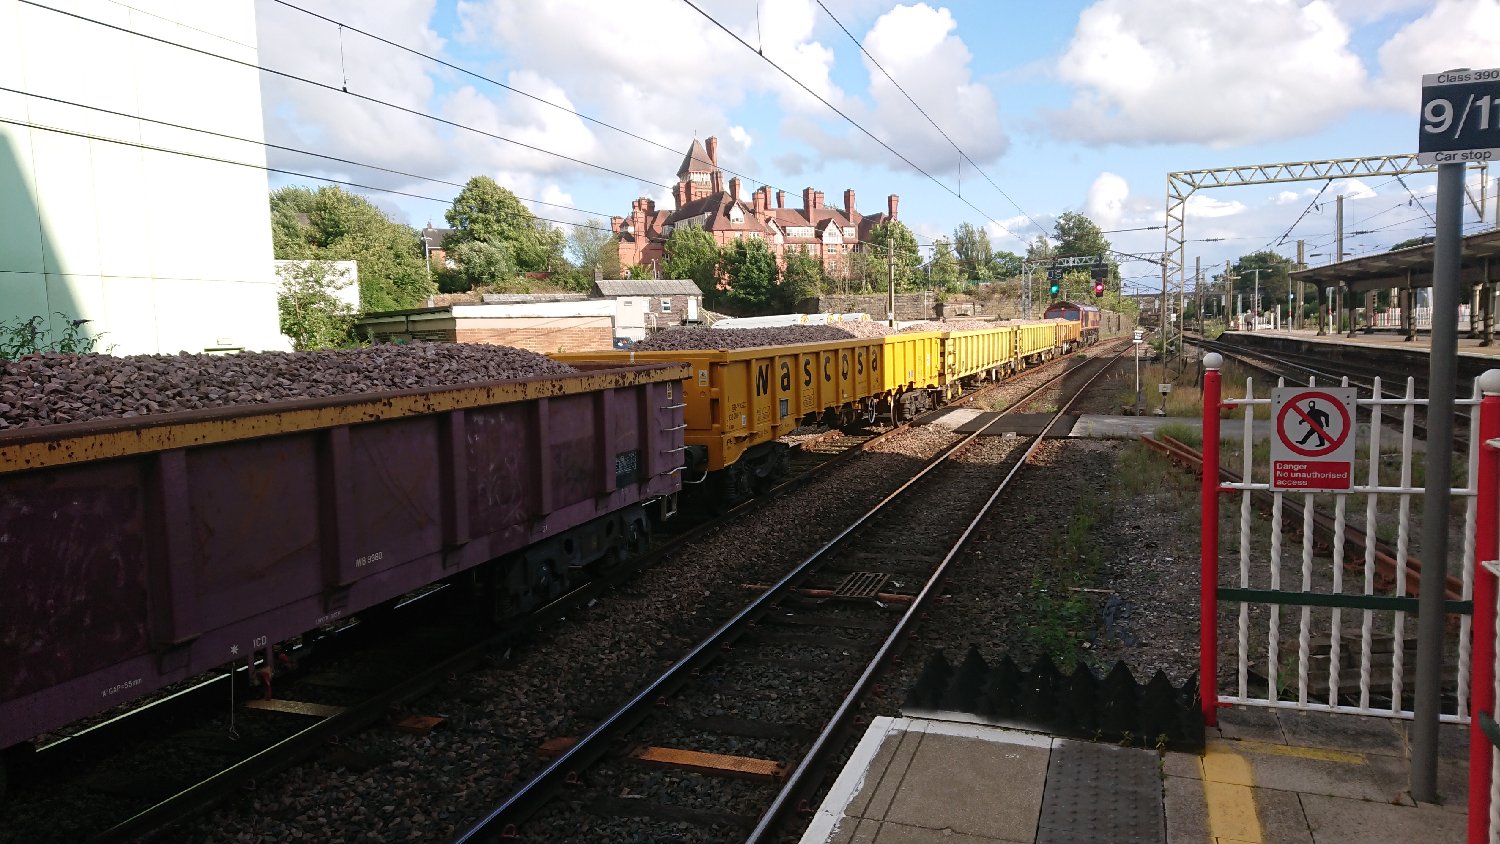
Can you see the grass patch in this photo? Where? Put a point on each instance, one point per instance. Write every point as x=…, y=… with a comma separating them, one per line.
x=1185, y=434
x=1064, y=618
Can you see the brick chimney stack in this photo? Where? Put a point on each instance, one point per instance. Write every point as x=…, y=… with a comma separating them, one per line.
x=758, y=200
x=734, y=187
x=818, y=198
x=891, y=204
x=615, y=224
x=849, y=203
x=809, y=201
x=781, y=199
x=712, y=145
x=717, y=179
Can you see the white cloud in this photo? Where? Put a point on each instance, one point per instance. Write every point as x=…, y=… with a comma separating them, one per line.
x=1455, y=33
x=919, y=47
x=1202, y=206
x=1203, y=71
x=741, y=137
x=1286, y=197
x=1370, y=10
x=1106, y=200
x=1352, y=189
x=656, y=66
x=330, y=121
x=1014, y=233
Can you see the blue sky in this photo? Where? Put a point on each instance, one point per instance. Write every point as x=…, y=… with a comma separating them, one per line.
x=1067, y=106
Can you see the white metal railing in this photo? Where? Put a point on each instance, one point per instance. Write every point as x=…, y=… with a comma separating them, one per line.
x=1421, y=318
x=1262, y=566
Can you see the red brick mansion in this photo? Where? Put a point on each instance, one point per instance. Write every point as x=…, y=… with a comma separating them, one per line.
x=701, y=199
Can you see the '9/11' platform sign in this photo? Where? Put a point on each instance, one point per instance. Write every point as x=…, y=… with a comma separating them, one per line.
x=1460, y=117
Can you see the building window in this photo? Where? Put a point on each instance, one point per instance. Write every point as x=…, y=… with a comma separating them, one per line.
x=666, y=306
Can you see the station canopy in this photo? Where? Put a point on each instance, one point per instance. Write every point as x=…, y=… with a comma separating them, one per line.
x=1404, y=268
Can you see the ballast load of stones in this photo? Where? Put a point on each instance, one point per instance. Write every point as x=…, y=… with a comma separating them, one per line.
x=689, y=339
x=51, y=389
x=696, y=339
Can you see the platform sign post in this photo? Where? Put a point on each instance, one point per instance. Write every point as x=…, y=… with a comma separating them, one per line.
x=1312, y=442
x=1460, y=123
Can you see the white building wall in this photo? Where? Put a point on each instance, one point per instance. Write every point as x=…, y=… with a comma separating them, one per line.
x=164, y=252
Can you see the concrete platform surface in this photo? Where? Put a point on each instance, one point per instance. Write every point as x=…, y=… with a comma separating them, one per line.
x=1422, y=344
x=1268, y=776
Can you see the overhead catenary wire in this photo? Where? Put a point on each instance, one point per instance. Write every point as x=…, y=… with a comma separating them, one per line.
x=964, y=156
x=282, y=147
x=265, y=167
x=334, y=88
x=474, y=74
x=1293, y=226
x=851, y=121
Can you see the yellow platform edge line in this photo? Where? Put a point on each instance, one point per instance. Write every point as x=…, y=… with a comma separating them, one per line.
x=1317, y=754
x=1229, y=792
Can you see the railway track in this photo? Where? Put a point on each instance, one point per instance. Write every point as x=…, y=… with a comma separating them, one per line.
x=731, y=736
x=1302, y=367
x=344, y=700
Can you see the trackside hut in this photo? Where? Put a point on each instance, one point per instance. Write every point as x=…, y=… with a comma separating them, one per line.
x=545, y=327
x=666, y=302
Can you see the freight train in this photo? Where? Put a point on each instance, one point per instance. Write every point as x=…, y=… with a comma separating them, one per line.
x=1093, y=323
x=741, y=402
x=140, y=552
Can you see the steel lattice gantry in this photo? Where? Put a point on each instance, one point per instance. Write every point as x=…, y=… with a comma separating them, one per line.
x=1184, y=183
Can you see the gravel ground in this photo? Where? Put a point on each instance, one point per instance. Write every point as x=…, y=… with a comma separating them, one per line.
x=1091, y=554
x=51, y=389
x=381, y=785
x=428, y=788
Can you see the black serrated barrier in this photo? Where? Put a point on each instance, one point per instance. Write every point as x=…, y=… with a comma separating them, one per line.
x=1114, y=708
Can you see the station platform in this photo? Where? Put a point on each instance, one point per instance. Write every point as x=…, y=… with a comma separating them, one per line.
x=1268, y=775
x=1384, y=340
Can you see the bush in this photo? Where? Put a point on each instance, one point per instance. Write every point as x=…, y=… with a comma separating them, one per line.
x=32, y=336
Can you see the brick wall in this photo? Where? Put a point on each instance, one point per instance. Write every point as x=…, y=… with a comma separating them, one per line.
x=911, y=306
x=577, y=339
x=563, y=334
x=679, y=309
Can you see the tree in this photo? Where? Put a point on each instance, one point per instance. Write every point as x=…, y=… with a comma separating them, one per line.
x=609, y=260
x=1413, y=241
x=587, y=244
x=312, y=314
x=1077, y=236
x=1274, y=281
x=1005, y=265
x=975, y=255
x=751, y=273
x=801, y=279
x=944, y=268
x=1040, y=249
x=330, y=224
x=485, y=211
x=489, y=262
x=691, y=252
x=892, y=240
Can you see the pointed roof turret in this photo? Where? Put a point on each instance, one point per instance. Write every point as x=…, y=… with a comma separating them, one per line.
x=696, y=161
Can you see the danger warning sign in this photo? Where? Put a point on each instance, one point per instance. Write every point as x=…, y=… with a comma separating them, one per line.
x=1313, y=446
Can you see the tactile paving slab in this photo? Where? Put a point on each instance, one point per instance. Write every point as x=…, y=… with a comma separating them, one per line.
x=1102, y=794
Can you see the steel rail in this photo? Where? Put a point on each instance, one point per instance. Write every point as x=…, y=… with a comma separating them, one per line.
x=527, y=799
x=203, y=795
x=798, y=779
x=1364, y=377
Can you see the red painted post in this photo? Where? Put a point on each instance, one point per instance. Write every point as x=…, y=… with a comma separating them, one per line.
x=1486, y=547
x=1208, y=609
